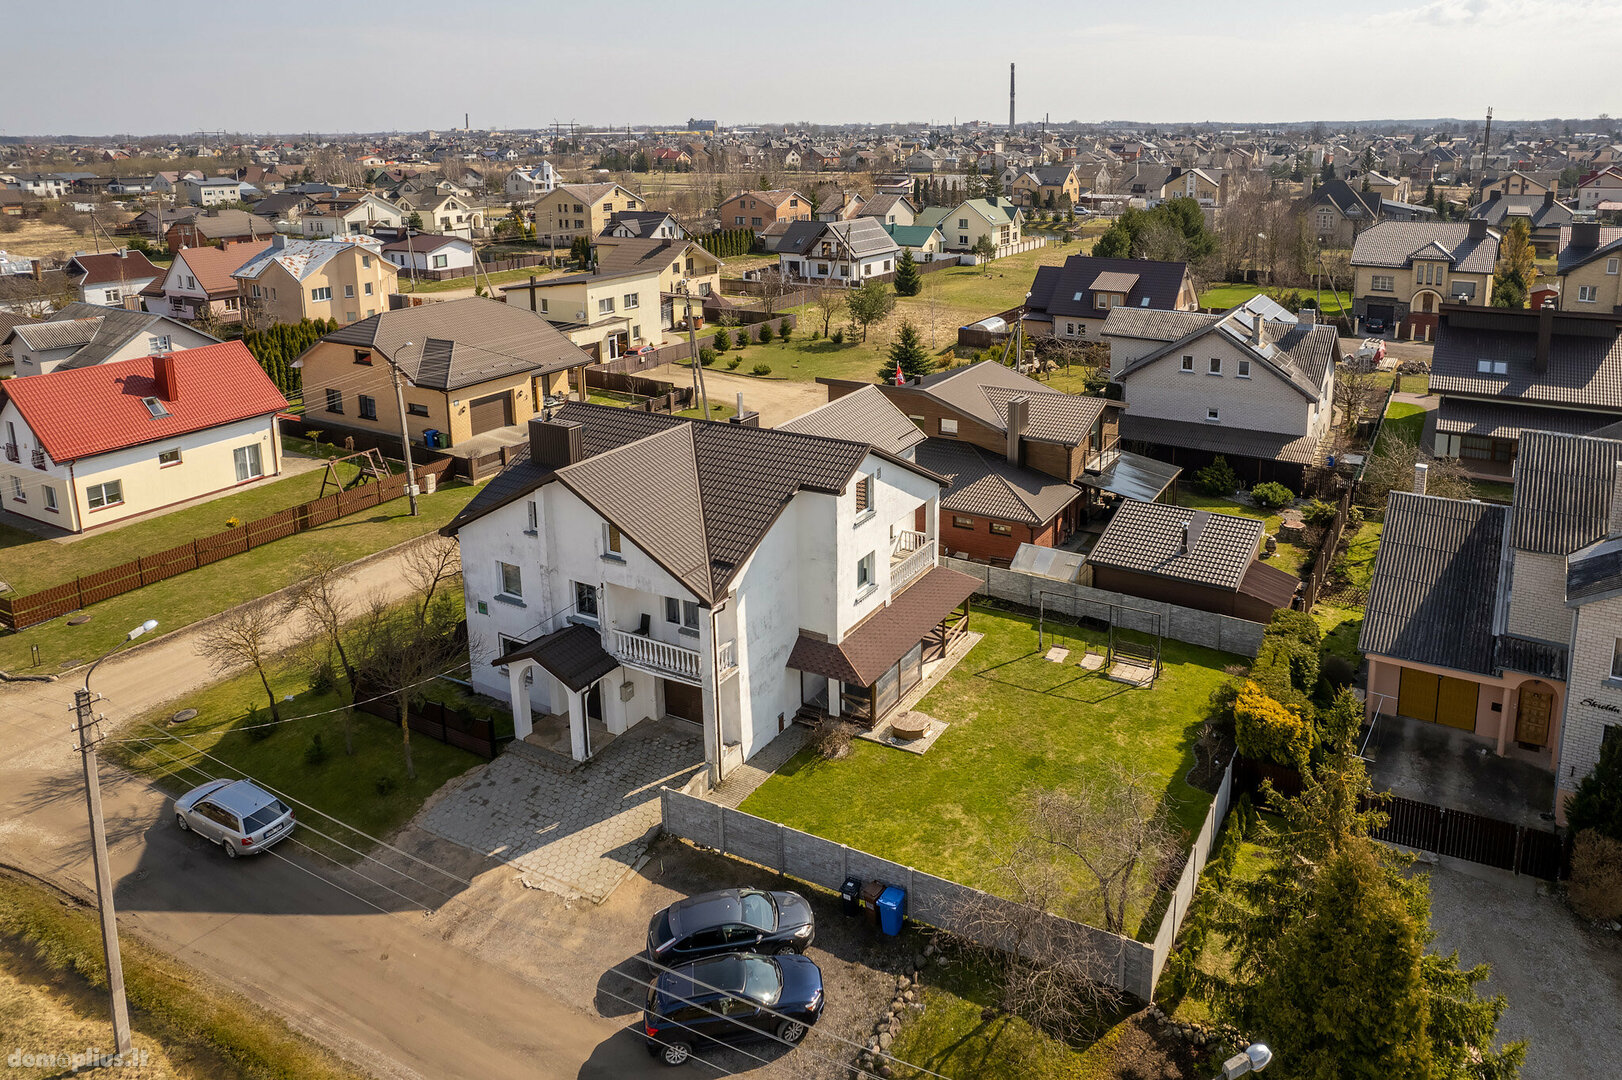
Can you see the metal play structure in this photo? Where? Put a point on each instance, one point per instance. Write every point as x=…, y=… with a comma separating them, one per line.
x=1125, y=659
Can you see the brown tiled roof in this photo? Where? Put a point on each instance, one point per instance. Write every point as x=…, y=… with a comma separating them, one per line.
x=982, y=391
x=864, y=416
x=1219, y=439
x=1269, y=584
x=1147, y=538
x=104, y=269
x=1584, y=363
x=873, y=648
x=213, y=267
x=989, y=486
x=574, y=654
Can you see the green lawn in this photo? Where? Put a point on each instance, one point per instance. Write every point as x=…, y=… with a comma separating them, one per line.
x=1406, y=384
x=499, y=278
x=1017, y=721
x=32, y=564
x=185, y=598
x=343, y=786
x=1493, y=491
x=1232, y=294
x=719, y=410
x=1401, y=418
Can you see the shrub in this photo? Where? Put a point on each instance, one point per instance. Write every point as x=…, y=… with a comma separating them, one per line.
x=1217, y=478
x=1595, y=888
x=761, y=369
x=732, y=365
x=323, y=678
x=707, y=355
x=1597, y=802
x=315, y=754
x=833, y=738
x=786, y=331
x=258, y=728
x=1317, y=512
x=1287, y=622
x=1272, y=495
x=837, y=337
x=765, y=333
x=816, y=335
x=1269, y=731
x=233, y=523
x=723, y=342
x=383, y=785
x=1336, y=670
x=1354, y=516
x=741, y=338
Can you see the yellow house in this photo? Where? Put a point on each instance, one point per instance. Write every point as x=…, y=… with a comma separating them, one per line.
x=963, y=225
x=685, y=268
x=1404, y=271
x=1589, y=268
x=342, y=280
x=1033, y=187
x=573, y=210
x=470, y=366
x=607, y=313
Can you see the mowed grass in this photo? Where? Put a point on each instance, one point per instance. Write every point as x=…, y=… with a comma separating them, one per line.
x=1018, y=722
x=1403, y=419
x=498, y=279
x=1232, y=294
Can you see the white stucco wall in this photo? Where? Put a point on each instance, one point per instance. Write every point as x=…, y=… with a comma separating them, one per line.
x=1262, y=402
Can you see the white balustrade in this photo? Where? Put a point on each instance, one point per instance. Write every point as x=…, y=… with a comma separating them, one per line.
x=912, y=567
x=657, y=656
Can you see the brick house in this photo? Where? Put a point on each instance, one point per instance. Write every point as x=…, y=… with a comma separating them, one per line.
x=758, y=209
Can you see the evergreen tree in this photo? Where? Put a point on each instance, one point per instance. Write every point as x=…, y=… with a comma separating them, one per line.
x=1430, y=194
x=908, y=282
x=907, y=353
x=1517, y=267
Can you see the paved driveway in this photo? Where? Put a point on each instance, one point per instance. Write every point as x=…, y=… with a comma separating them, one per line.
x=576, y=834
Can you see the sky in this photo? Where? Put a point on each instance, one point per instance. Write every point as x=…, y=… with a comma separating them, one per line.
x=297, y=66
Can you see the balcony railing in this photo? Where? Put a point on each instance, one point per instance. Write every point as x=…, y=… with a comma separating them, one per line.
x=39, y=458
x=726, y=659
x=912, y=567
x=14, y=452
x=907, y=541
x=659, y=657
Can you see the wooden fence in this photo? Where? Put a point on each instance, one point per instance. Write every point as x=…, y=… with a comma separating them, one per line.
x=679, y=351
x=433, y=719
x=18, y=612
x=1326, y=554
x=657, y=395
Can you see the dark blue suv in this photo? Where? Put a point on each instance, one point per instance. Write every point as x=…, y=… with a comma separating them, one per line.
x=731, y=999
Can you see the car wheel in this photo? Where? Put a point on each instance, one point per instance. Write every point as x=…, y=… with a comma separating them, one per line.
x=676, y=1053
x=791, y=1031
x=230, y=849
x=784, y=950
x=180, y=819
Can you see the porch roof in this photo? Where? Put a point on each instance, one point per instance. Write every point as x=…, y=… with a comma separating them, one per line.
x=1133, y=476
x=877, y=644
x=574, y=654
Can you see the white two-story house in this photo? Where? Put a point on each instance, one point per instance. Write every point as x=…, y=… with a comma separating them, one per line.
x=632, y=566
x=848, y=252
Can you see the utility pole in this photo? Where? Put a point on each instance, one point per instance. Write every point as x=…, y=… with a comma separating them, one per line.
x=405, y=436
x=88, y=727
x=692, y=348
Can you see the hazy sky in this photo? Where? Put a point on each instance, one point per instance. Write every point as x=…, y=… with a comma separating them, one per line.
x=299, y=66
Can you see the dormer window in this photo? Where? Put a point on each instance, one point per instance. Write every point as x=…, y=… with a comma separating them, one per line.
x=155, y=407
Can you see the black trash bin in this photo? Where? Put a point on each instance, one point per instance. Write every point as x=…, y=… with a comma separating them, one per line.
x=850, y=896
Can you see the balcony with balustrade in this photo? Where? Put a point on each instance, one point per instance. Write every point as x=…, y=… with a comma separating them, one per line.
x=911, y=556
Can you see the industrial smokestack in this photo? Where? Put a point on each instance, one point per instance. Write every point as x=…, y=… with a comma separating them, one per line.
x=1010, y=97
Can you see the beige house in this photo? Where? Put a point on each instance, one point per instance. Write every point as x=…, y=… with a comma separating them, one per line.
x=445, y=213
x=607, y=313
x=1387, y=187
x=348, y=216
x=573, y=210
x=963, y=225
x=1589, y=268
x=1404, y=271
x=685, y=269
x=343, y=280
x=471, y=365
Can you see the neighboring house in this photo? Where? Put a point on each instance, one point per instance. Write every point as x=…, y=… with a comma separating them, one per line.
x=1045, y=460
x=1505, y=622
x=1404, y=271
x=288, y=206
x=1072, y=301
x=85, y=447
x=685, y=269
x=528, y=181
x=844, y=251
x=211, y=190
x=1337, y=213
x=918, y=239
x=338, y=216
x=131, y=185
x=758, y=209
x=1586, y=269
x=1254, y=385
x=643, y=225
x=8, y=325
x=607, y=313
x=428, y=255
x=470, y=366
x=964, y=224
x=42, y=185
x=444, y=213
x=112, y=280
x=216, y=226
x=84, y=335
x=890, y=209
x=836, y=205
x=291, y=280
x=1191, y=558
x=1035, y=186
x=201, y=278
x=1513, y=184
x=1543, y=216
x=924, y=161
x=1386, y=188
x=1503, y=371
x=632, y=566
x=572, y=210
x=1604, y=186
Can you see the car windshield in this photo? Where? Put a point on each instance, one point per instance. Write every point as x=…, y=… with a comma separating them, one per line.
x=759, y=911
x=264, y=816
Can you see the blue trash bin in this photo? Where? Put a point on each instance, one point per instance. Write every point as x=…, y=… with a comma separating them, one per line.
x=428, y=437
x=892, y=905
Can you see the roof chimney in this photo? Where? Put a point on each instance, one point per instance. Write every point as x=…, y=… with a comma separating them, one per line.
x=165, y=380
x=1421, y=471
x=1540, y=361
x=1256, y=329
x=1307, y=316
x=1017, y=411
x=1548, y=198
x=555, y=443
x=1585, y=234
x=1494, y=195
x=1478, y=229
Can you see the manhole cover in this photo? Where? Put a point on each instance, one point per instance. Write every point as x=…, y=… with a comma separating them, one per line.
x=183, y=715
x=78, y=620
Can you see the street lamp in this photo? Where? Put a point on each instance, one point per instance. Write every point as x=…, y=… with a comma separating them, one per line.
x=1254, y=1058
x=87, y=725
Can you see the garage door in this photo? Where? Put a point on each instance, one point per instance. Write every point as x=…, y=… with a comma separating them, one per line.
x=684, y=700
x=488, y=413
x=1456, y=704
x=1438, y=699
x=1382, y=311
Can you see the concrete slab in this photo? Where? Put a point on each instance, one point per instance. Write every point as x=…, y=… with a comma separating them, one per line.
x=1459, y=770
x=1056, y=654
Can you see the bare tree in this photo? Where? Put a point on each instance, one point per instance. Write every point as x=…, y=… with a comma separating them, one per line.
x=318, y=599
x=242, y=638
x=773, y=287
x=829, y=302
x=1392, y=469
x=428, y=565
x=1357, y=393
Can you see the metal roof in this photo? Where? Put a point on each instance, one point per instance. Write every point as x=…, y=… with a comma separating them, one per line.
x=1133, y=476
x=1067, y=290
x=1509, y=420
x=874, y=646
x=990, y=486
x=1563, y=490
x=863, y=416
x=1219, y=439
x=1395, y=243
x=574, y=654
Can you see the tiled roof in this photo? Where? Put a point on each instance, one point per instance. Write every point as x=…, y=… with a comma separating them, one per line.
x=111, y=268
x=422, y=242
x=300, y=258
x=80, y=412
x=1509, y=420
x=586, y=193
x=1153, y=324
x=990, y=486
x=864, y=416
x=1219, y=438
x=1595, y=572
x=646, y=253
x=463, y=342
x=1584, y=364
x=1572, y=256
x=222, y=224
x=213, y=267
x=1435, y=582
x=872, y=648
x=865, y=237
x=1541, y=214
x=1393, y=243
x=1147, y=538
x=1068, y=289
x=982, y=390
x=574, y=654
x=1563, y=486
x=1347, y=199
x=111, y=329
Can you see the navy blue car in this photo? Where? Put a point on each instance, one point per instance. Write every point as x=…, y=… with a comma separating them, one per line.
x=730, y=920
x=731, y=999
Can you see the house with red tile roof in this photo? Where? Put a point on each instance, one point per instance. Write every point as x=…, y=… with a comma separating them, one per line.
x=114, y=279
x=84, y=447
x=200, y=279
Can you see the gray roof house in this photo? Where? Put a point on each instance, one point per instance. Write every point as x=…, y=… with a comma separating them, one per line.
x=1072, y=300
x=848, y=252
x=80, y=335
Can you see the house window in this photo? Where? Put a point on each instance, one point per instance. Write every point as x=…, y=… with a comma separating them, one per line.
x=362, y=356
x=1000, y=529
x=632, y=300
x=737, y=221
x=605, y=306
x=543, y=305
x=612, y=540
x=1100, y=300
x=1213, y=414
x=368, y=407
x=440, y=262
x=17, y=491
x=1214, y=367
x=948, y=427
x=112, y=296
x=367, y=289
x=683, y=613
x=864, y=571
x=169, y=457
x=416, y=408
x=963, y=223
x=155, y=407
x=50, y=497
x=349, y=292
x=961, y=522
x=366, y=262
x=335, y=401
x=1188, y=363
x=323, y=293
x=110, y=493
x=1244, y=369
x=864, y=495
x=1610, y=266
x=886, y=266
x=1383, y=283
x=247, y=462
x=512, y=579
x=1587, y=294
x=585, y=599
